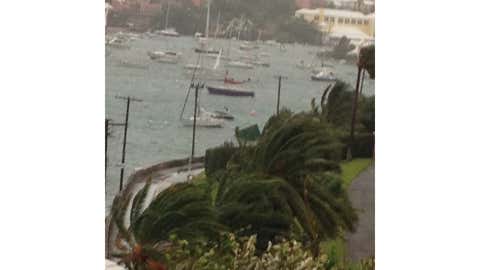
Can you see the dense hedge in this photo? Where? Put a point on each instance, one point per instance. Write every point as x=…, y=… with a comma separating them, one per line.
x=216, y=158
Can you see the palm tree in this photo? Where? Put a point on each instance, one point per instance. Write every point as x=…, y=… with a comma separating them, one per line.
x=183, y=210
x=285, y=186
x=288, y=181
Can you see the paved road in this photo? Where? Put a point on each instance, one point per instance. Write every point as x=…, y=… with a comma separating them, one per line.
x=361, y=244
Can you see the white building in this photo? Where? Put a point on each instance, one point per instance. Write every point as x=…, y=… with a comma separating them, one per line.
x=336, y=23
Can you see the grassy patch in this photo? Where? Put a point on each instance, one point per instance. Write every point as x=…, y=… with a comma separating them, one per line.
x=335, y=249
x=351, y=169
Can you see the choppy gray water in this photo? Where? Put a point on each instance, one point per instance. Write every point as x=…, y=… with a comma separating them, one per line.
x=155, y=133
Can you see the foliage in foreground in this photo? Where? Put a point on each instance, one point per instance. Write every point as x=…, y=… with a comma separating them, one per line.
x=234, y=253
x=287, y=186
x=240, y=253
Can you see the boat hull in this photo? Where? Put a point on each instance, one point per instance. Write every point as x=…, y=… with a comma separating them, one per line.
x=229, y=92
x=222, y=115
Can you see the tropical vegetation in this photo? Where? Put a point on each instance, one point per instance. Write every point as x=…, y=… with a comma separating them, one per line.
x=283, y=193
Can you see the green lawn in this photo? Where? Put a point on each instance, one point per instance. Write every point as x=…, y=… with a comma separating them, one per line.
x=350, y=169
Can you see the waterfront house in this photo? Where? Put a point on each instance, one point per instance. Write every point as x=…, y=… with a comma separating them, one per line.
x=336, y=23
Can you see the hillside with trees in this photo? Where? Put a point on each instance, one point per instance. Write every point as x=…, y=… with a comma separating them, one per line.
x=273, y=18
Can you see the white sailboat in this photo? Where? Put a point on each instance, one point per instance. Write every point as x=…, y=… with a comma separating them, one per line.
x=169, y=32
x=205, y=73
x=204, y=42
x=203, y=118
x=324, y=75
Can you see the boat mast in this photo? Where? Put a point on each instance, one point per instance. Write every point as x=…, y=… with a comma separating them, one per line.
x=207, y=27
x=166, y=17
x=218, y=26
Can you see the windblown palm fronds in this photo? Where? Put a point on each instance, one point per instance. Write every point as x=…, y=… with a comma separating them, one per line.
x=182, y=210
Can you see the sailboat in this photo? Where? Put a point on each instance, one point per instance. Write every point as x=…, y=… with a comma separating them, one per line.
x=203, y=120
x=206, y=73
x=201, y=117
x=170, y=32
x=324, y=75
x=203, y=42
x=227, y=89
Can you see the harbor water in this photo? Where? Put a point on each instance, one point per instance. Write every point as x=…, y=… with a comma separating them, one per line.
x=155, y=133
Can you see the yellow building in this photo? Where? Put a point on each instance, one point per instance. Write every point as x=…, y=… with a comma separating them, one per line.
x=337, y=22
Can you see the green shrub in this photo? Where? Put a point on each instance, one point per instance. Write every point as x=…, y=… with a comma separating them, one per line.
x=216, y=158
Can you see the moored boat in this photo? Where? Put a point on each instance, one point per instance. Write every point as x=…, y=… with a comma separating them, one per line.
x=203, y=121
x=209, y=51
x=222, y=115
x=164, y=57
x=170, y=32
x=324, y=75
x=239, y=64
x=229, y=91
x=217, y=114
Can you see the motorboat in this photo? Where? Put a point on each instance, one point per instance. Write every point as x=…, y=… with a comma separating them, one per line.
x=117, y=43
x=217, y=114
x=204, y=119
x=170, y=32
x=324, y=75
x=239, y=64
x=260, y=63
x=227, y=90
x=223, y=115
x=271, y=42
x=246, y=46
x=158, y=54
x=164, y=57
x=192, y=67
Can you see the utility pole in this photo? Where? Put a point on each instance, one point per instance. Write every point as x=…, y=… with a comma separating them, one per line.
x=197, y=87
x=128, y=99
x=108, y=123
x=278, y=92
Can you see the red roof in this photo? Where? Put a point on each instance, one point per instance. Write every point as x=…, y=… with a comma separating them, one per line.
x=304, y=3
